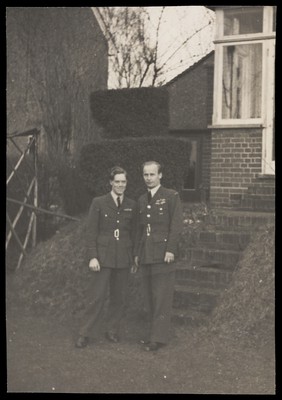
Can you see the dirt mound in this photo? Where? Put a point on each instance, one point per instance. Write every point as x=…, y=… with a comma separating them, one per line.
x=54, y=276
x=48, y=281
x=247, y=307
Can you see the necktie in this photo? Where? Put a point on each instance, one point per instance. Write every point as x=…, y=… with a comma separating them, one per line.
x=118, y=201
x=149, y=196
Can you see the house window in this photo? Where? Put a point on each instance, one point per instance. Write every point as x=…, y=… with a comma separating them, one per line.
x=242, y=20
x=244, y=71
x=242, y=81
x=190, y=175
x=192, y=179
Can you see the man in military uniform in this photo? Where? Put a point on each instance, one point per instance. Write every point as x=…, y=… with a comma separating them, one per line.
x=109, y=233
x=159, y=226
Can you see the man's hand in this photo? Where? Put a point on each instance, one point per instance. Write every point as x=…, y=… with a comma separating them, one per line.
x=169, y=257
x=134, y=267
x=94, y=264
x=136, y=261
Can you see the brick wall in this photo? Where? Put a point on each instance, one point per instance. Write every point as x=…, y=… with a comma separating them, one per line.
x=235, y=164
x=190, y=105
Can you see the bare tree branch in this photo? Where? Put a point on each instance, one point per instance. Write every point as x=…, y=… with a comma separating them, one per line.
x=135, y=57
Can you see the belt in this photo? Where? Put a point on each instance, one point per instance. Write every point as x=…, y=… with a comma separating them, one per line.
x=116, y=234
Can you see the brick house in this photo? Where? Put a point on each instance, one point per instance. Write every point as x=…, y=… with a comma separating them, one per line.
x=224, y=105
x=56, y=56
x=242, y=131
x=232, y=127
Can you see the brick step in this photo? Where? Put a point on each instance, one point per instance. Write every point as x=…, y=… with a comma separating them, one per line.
x=204, y=277
x=255, y=203
x=188, y=317
x=232, y=240
x=259, y=197
x=223, y=259
x=225, y=219
x=265, y=182
x=261, y=190
x=196, y=298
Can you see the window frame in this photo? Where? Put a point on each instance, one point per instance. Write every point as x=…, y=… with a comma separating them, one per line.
x=240, y=121
x=267, y=39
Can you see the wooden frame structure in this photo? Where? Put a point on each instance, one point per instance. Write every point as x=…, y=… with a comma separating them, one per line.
x=32, y=190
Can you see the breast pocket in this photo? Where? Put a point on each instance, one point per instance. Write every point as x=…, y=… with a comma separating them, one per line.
x=161, y=206
x=127, y=215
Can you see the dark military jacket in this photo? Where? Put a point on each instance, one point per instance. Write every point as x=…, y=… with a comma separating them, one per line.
x=110, y=231
x=159, y=226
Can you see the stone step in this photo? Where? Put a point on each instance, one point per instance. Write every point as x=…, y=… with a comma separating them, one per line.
x=222, y=259
x=204, y=277
x=232, y=240
x=227, y=219
x=196, y=298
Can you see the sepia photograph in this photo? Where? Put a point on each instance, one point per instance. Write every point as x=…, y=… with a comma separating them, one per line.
x=140, y=200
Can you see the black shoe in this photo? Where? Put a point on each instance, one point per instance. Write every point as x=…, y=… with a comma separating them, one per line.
x=81, y=342
x=112, y=337
x=153, y=346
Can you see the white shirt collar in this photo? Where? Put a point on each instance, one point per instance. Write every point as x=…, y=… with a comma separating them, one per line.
x=154, y=190
x=114, y=196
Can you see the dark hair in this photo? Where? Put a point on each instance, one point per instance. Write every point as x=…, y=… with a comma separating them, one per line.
x=117, y=170
x=153, y=163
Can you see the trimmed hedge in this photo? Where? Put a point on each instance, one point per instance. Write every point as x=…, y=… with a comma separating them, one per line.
x=97, y=159
x=131, y=112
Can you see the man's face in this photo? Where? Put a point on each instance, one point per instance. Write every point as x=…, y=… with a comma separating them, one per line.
x=119, y=184
x=151, y=176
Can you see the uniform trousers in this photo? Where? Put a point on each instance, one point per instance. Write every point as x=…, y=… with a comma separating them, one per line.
x=115, y=279
x=158, y=282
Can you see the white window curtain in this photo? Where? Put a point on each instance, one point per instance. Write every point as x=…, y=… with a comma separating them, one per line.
x=242, y=81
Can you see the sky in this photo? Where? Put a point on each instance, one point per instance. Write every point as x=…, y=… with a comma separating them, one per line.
x=180, y=23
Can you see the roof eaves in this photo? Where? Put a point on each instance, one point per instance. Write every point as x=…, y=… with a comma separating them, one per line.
x=190, y=68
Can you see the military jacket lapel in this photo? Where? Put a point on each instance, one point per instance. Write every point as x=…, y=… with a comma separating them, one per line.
x=158, y=196
x=110, y=201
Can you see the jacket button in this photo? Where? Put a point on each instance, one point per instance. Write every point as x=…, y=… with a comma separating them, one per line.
x=148, y=206
x=148, y=215
x=117, y=222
